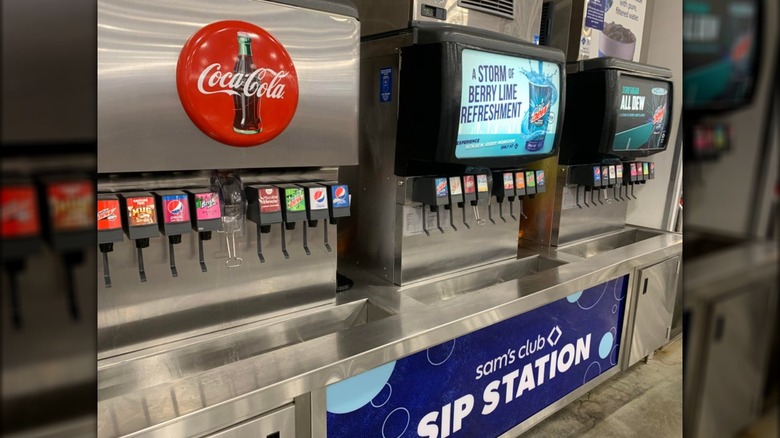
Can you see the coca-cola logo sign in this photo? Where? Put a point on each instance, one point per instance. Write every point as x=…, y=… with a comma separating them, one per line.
x=237, y=83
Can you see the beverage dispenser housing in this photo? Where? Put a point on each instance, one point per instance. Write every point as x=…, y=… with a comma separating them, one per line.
x=616, y=108
x=469, y=100
x=516, y=18
x=443, y=109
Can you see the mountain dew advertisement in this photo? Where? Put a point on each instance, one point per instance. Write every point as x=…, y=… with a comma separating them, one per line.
x=508, y=106
x=642, y=115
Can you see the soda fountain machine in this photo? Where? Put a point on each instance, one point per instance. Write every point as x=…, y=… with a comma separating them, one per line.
x=453, y=134
x=619, y=115
x=437, y=207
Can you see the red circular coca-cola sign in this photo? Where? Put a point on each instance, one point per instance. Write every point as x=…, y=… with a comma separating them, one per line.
x=237, y=83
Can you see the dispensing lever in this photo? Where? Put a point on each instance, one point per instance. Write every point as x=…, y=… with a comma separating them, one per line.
x=71, y=260
x=325, y=240
x=306, y=240
x=13, y=268
x=140, y=244
x=201, y=256
x=106, y=248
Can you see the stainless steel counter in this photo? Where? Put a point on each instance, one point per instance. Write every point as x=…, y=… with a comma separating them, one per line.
x=203, y=385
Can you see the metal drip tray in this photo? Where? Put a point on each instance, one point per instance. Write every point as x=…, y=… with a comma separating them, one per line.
x=170, y=362
x=444, y=289
x=608, y=242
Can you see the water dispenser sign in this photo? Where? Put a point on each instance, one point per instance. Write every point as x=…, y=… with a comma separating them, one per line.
x=455, y=186
x=176, y=208
x=141, y=211
x=269, y=200
x=108, y=214
x=318, y=198
x=19, y=212
x=207, y=206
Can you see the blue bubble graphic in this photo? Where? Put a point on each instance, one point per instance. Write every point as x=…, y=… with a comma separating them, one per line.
x=605, y=346
x=396, y=423
x=574, y=297
x=352, y=394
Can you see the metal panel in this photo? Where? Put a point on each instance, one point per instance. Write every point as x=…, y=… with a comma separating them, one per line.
x=279, y=424
x=602, y=213
x=656, y=292
x=133, y=315
x=240, y=389
x=737, y=334
x=142, y=125
x=384, y=16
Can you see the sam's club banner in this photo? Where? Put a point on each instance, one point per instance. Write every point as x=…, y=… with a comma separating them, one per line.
x=484, y=383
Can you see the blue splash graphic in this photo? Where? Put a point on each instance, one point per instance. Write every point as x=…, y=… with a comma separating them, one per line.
x=352, y=394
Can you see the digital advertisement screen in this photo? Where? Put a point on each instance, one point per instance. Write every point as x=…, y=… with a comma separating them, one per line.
x=508, y=106
x=642, y=114
x=720, y=49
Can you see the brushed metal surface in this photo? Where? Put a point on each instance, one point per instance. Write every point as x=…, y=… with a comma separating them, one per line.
x=132, y=315
x=739, y=292
x=213, y=398
x=735, y=360
x=386, y=16
x=572, y=222
x=590, y=247
x=142, y=125
x=281, y=422
x=655, y=290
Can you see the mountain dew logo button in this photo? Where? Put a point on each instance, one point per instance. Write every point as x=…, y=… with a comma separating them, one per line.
x=530, y=179
x=295, y=199
x=619, y=170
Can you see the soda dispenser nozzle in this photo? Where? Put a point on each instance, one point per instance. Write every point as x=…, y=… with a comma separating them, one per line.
x=264, y=209
x=205, y=217
x=20, y=233
x=317, y=208
x=70, y=205
x=455, y=197
x=173, y=208
x=139, y=220
x=431, y=193
x=227, y=183
x=109, y=226
x=294, y=210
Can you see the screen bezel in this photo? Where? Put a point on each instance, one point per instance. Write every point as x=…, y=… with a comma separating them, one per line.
x=413, y=151
x=721, y=106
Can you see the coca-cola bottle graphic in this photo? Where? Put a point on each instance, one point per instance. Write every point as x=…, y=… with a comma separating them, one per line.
x=246, y=102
